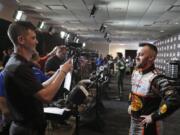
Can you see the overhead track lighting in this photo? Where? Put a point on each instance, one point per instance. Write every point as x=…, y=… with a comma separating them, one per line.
x=67, y=37
x=84, y=44
x=93, y=10
x=108, y=40
x=41, y=25
x=106, y=35
x=19, y=15
x=102, y=28
x=75, y=38
x=62, y=34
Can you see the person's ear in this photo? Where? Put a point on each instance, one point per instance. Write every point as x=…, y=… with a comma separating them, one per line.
x=20, y=40
x=152, y=58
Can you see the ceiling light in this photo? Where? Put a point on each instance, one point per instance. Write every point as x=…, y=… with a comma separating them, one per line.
x=41, y=25
x=106, y=35
x=176, y=23
x=102, y=28
x=37, y=7
x=93, y=10
x=74, y=21
x=62, y=34
x=57, y=7
x=18, y=15
x=84, y=44
x=122, y=44
x=67, y=37
x=77, y=40
x=162, y=31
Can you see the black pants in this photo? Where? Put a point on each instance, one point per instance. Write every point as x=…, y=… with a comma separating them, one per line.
x=120, y=77
x=17, y=129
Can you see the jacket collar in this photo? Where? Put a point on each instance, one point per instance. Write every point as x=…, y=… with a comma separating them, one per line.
x=146, y=70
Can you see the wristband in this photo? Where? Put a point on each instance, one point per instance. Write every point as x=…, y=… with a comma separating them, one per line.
x=63, y=72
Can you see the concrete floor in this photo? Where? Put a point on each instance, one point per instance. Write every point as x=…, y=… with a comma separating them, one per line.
x=115, y=117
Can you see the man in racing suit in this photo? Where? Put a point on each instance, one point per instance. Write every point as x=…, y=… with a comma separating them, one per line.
x=152, y=97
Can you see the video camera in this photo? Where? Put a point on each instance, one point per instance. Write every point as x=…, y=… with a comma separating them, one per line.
x=74, y=52
x=74, y=49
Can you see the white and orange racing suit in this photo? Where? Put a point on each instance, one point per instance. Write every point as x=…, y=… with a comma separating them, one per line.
x=151, y=93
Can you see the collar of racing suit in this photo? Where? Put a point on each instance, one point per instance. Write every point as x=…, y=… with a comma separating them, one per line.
x=151, y=68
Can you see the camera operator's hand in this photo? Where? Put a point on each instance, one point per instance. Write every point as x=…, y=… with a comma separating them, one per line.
x=67, y=66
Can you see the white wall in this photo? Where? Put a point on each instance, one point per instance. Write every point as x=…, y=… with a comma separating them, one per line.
x=118, y=47
x=104, y=48
x=100, y=47
x=7, y=9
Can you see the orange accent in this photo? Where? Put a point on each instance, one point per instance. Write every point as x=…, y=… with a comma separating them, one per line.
x=138, y=94
x=163, y=109
x=136, y=103
x=143, y=131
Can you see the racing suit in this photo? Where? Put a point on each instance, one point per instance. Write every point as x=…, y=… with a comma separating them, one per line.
x=120, y=75
x=153, y=94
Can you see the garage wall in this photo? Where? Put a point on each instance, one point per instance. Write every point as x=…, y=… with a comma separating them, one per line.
x=99, y=47
x=118, y=47
x=168, y=49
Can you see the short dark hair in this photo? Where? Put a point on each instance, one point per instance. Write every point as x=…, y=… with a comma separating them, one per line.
x=119, y=54
x=17, y=28
x=151, y=46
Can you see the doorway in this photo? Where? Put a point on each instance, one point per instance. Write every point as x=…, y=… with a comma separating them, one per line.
x=130, y=53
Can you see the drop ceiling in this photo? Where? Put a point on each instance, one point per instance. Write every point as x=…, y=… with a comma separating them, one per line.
x=126, y=20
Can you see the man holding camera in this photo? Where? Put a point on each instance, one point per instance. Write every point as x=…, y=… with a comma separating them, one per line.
x=24, y=93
